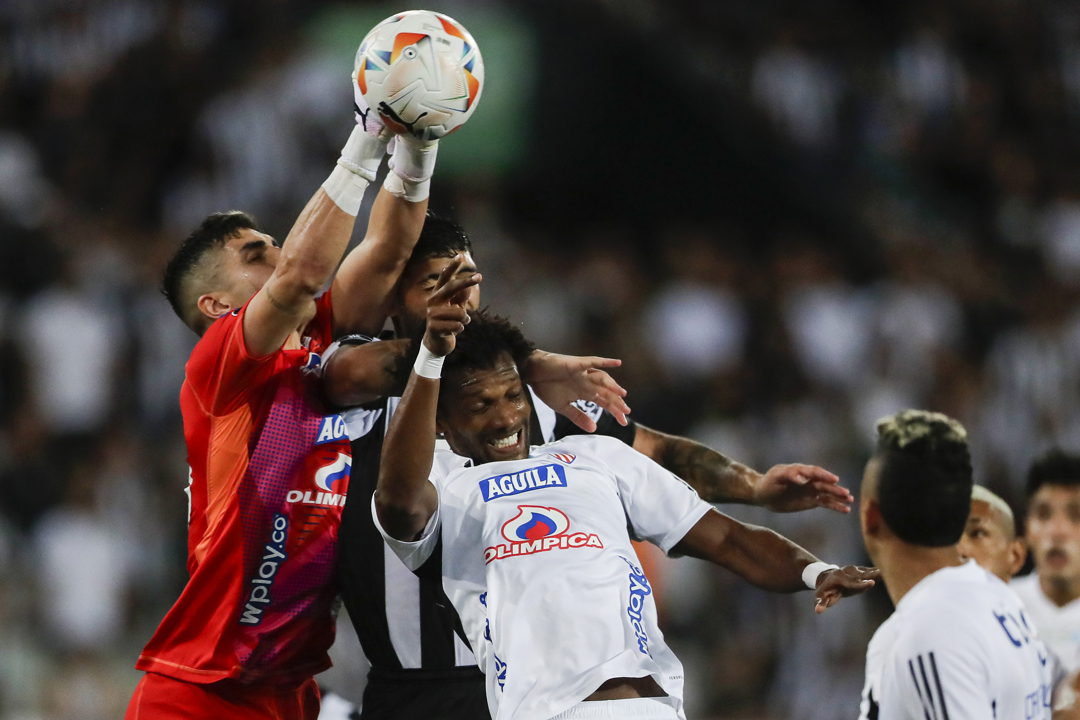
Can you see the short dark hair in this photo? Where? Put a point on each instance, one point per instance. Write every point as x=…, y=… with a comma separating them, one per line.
x=925, y=477
x=1056, y=467
x=211, y=232
x=440, y=237
x=483, y=341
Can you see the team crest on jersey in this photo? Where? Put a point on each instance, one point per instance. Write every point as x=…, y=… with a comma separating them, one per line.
x=564, y=457
x=538, y=529
x=327, y=479
x=544, y=476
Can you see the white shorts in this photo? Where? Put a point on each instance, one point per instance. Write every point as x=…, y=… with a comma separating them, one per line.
x=635, y=708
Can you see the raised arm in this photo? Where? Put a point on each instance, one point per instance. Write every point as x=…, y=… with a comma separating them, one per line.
x=312, y=249
x=358, y=374
x=404, y=499
x=768, y=560
x=719, y=479
x=361, y=293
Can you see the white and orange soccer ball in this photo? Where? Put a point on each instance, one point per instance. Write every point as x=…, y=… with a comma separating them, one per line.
x=421, y=72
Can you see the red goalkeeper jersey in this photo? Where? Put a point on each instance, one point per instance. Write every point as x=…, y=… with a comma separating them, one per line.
x=269, y=475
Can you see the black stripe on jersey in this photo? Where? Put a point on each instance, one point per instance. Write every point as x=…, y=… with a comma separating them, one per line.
x=438, y=619
x=926, y=693
x=872, y=713
x=937, y=682
x=361, y=569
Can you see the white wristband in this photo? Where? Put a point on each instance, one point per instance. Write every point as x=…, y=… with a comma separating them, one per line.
x=346, y=189
x=414, y=160
x=411, y=191
x=428, y=364
x=363, y=154
x=812, y=572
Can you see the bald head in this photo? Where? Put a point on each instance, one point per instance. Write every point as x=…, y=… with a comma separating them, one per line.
x=990, y=535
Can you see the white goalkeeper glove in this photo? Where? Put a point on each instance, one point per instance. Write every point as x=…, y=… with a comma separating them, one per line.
x=412, y=163
x=360, y=158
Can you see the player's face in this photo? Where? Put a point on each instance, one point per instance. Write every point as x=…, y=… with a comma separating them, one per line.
x=485, y=414
x=249, y=261
x=1053, y=532
x=418, y=283
x=989, y=541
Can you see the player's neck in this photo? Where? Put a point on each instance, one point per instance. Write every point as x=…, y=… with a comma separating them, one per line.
x=293, y=342
x=904, y=566
x=1060, y=591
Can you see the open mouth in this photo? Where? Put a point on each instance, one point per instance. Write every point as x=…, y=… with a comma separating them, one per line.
x=512, y=441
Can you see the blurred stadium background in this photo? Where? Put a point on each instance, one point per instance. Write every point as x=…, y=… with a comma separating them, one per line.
x=787, y=218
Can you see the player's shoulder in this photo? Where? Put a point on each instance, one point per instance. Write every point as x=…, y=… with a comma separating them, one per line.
x=207, y=352
x=447, y=467
x=883, y=638
x=953, y=606
x=599, y=446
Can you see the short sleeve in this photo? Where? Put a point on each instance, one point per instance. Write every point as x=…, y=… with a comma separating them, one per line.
x=319, y=333
x=221, y=372
x=936, y=669
x=660, y=507
x=416, y=553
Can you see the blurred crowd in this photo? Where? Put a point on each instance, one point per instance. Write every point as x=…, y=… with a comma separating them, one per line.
x=911, y=239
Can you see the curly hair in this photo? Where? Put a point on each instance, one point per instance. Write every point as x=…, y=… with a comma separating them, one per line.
x=480, y=346
x=925, y=480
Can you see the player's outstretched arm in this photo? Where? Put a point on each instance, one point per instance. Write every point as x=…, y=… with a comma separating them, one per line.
x=313, y=248
x=768, y=560
x=562, y=380
x=719, y=479
x=404, y=499
x=361, y=373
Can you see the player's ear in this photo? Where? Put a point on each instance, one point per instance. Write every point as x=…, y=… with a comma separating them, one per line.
x=212, y=306
x=1017, y=555
x=871, y=517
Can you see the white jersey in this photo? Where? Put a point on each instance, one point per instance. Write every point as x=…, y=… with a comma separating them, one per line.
x=876, y=652
x=964, y=649
x=1059, y=627
x=538, y=562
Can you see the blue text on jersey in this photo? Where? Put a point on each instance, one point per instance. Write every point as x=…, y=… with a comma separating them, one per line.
x=332, y=428
x=543, y=476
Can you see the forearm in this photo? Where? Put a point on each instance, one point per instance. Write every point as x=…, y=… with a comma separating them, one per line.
x=716, y=477
x=311, y=250
x=358, y=374
x=364, y=285
x=404, y=499
x=762, y=557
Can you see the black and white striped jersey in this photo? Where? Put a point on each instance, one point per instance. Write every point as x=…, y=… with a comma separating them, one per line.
x=962, y=648
x=404, y=619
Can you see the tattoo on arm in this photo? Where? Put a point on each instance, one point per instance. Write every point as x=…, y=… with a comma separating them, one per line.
x=716, y=477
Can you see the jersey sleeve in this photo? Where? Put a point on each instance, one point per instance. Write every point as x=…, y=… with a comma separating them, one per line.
x=660, y=507
x=936, y=669
x=319, y=333
x=416, y=553
x=221, y=372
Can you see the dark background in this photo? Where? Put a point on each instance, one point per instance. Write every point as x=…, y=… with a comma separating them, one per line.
x=789, y=219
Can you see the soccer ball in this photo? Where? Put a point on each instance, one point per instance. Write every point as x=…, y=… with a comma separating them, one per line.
x=421, y=72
